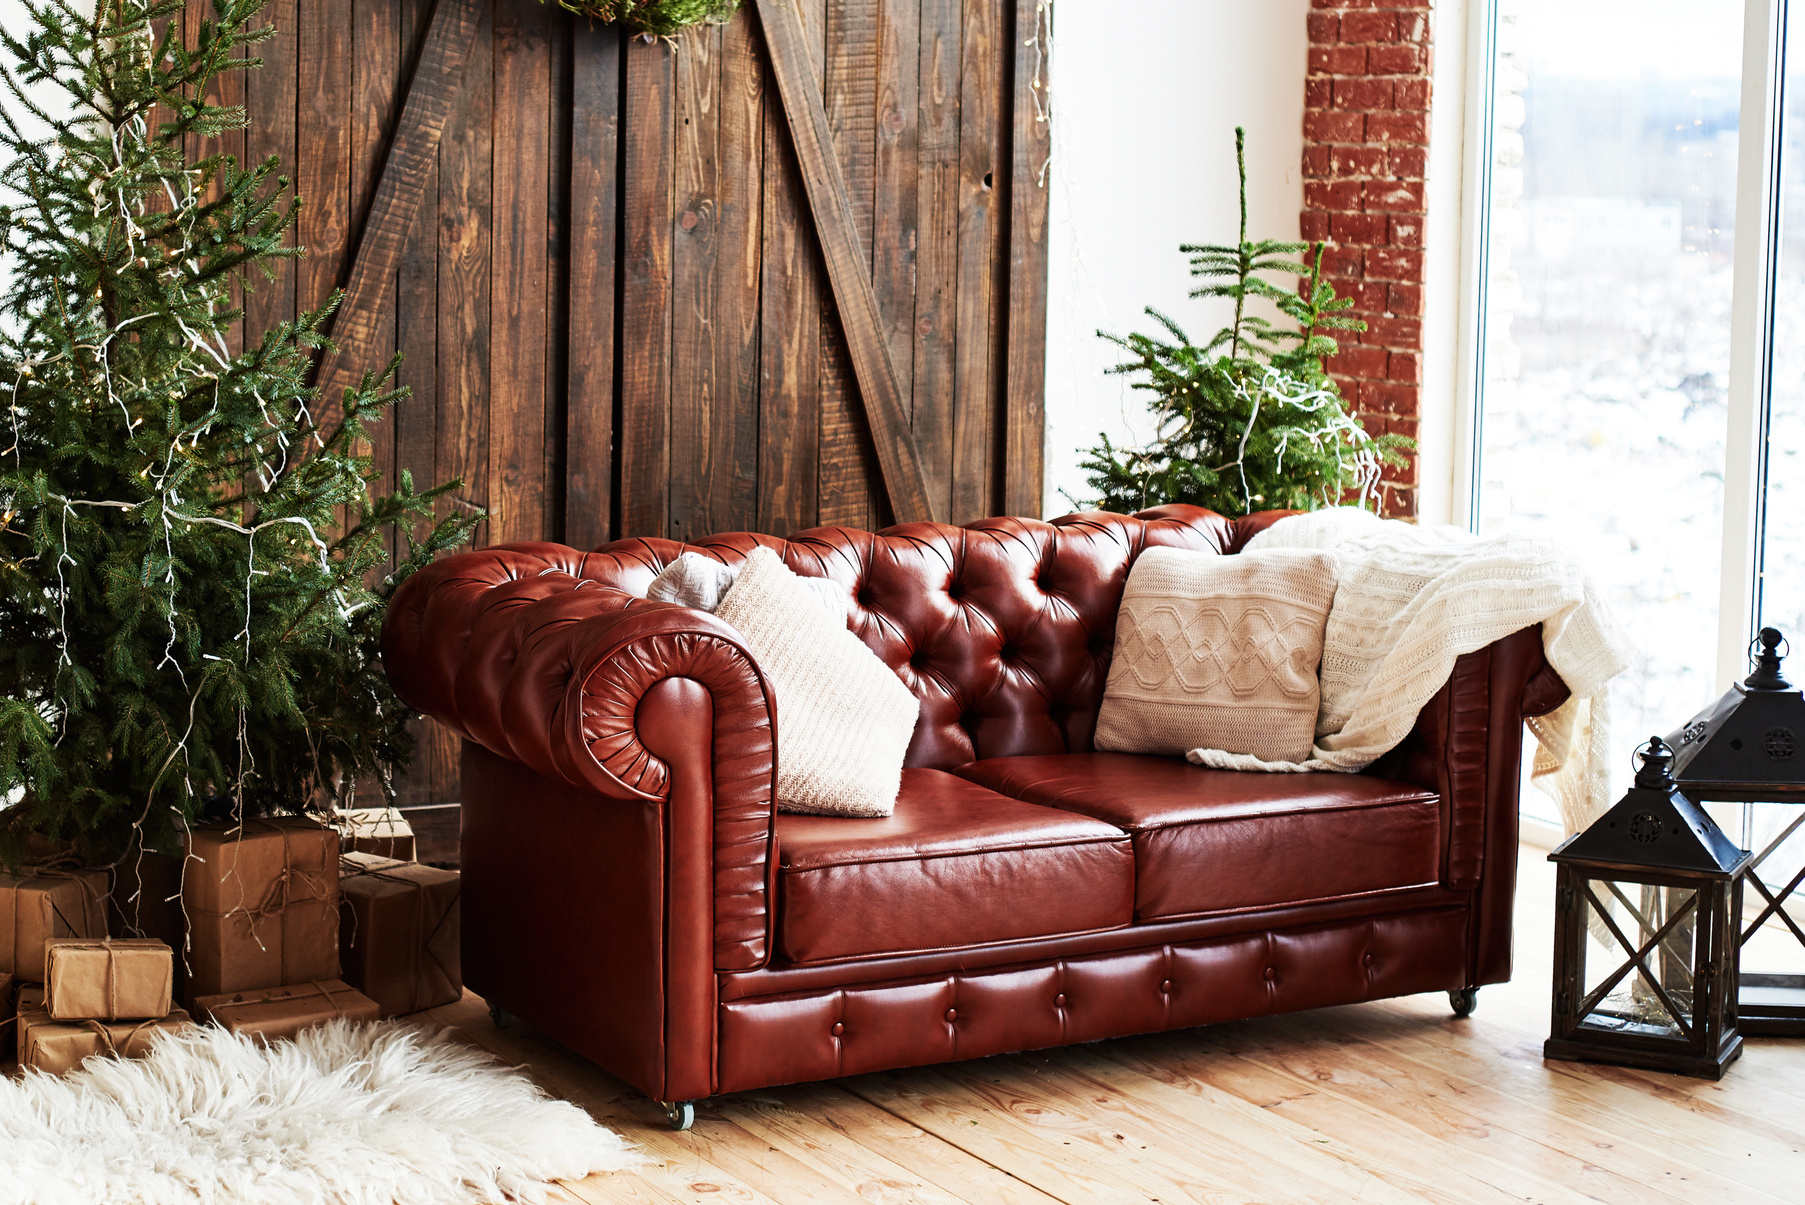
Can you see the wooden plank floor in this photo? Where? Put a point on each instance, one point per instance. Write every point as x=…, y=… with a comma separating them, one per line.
x=1388, y=1102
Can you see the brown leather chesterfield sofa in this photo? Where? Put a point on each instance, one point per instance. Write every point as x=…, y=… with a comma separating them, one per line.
x=629, y=890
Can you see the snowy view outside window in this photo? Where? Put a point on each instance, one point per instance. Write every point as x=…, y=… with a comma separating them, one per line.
x=1608, y=339
x=1605, y=406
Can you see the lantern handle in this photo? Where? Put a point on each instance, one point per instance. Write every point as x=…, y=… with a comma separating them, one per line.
x=1652, y=761
x=1766, y=663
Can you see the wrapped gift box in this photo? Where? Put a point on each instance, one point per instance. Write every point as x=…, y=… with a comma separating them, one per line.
x=379, y=831
x=262, y=904
x=42, y=904
x=58, y=1046
x=123, y=979
x=399, y=932
x=283, y=1012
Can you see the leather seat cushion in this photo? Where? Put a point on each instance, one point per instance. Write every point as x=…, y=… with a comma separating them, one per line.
x=1210, y=841
x=956, y=865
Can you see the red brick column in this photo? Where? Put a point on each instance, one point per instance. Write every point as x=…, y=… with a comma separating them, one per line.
x=1366, y=148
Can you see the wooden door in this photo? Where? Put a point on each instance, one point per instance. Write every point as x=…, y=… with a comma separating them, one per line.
x=611, y=297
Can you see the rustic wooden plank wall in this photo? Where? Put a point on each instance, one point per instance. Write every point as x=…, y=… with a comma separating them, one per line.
x=612, y=306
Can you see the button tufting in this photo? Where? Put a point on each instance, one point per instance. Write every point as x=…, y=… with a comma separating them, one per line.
x=838, y=1029
x=1367, y=960
x=1271, y=973
x=1165, y=986
x=952, y=1014
x=1059, y=1000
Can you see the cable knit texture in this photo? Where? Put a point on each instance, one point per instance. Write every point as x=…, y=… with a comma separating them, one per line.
x=1411, y=600
x=1218, y=652
x=693, y=580
x=843, y=718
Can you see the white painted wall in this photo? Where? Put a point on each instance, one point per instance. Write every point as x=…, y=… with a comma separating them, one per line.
x=1146, y=98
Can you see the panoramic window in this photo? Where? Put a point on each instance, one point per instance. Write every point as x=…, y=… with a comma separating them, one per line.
x=1607, y=319
x=1610, y=276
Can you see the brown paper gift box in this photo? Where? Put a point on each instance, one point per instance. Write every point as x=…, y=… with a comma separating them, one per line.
x=399, y=932
x=379, y=831
x=283, y=1012
x=262, y=905
x=124, y=979
x=59, y=1046
x=42, y=904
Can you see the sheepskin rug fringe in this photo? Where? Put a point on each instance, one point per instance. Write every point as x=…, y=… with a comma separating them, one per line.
x=385, y=1113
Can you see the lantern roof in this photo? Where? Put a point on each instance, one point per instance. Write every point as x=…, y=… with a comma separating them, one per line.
x=1750, y=744
x=1654, y=825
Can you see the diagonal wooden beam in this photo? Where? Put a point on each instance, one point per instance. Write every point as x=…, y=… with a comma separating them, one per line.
x=848, y=268
x=369, y=293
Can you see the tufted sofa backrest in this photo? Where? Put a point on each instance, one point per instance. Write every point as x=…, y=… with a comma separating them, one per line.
x=1003, y=628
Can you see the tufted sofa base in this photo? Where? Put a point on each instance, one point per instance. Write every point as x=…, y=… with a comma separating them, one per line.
x=802, y=1036
x=629, y=890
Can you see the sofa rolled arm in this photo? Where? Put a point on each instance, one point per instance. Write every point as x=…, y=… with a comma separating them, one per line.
x=517, y=649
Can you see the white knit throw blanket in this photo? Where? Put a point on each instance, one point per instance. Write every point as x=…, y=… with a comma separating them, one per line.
x=1413, y=599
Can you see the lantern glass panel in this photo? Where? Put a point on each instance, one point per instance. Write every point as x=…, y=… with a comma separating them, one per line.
x=1774, y=906
x=1639, y=958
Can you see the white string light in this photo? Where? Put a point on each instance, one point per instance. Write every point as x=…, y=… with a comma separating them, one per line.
x=1038, y=88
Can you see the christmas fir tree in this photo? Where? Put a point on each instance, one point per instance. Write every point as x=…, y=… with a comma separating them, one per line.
x=1250, y=420
x=190, y=607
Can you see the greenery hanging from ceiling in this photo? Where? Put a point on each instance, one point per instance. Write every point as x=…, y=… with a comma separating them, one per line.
x=654, y=18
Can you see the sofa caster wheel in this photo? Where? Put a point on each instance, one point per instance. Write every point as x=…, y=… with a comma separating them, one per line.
x=501, y=1016
x=1463, y=1001
x=680, y=1113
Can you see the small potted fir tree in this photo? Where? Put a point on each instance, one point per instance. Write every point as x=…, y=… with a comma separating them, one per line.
x=1250, y=420
x=189, y=560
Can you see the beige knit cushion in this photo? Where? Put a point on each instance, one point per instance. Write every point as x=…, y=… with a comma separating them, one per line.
x=844, y=719
x=1218, y=652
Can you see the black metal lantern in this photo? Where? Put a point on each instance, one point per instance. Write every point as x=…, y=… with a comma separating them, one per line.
x=1749, y=748
x=1647, y=917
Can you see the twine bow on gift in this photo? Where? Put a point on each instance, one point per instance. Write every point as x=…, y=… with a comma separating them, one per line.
x=123, y=1049
x=278, y=896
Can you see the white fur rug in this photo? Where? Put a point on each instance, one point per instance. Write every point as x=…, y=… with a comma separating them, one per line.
x=387, y=1114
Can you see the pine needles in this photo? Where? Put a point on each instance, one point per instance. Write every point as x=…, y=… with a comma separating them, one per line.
x=654, y=18
x=188, y=616
x=1250, y=420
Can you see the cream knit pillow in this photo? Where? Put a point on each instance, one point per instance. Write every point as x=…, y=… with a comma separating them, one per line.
x=844, y=719
x=1218, y=652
